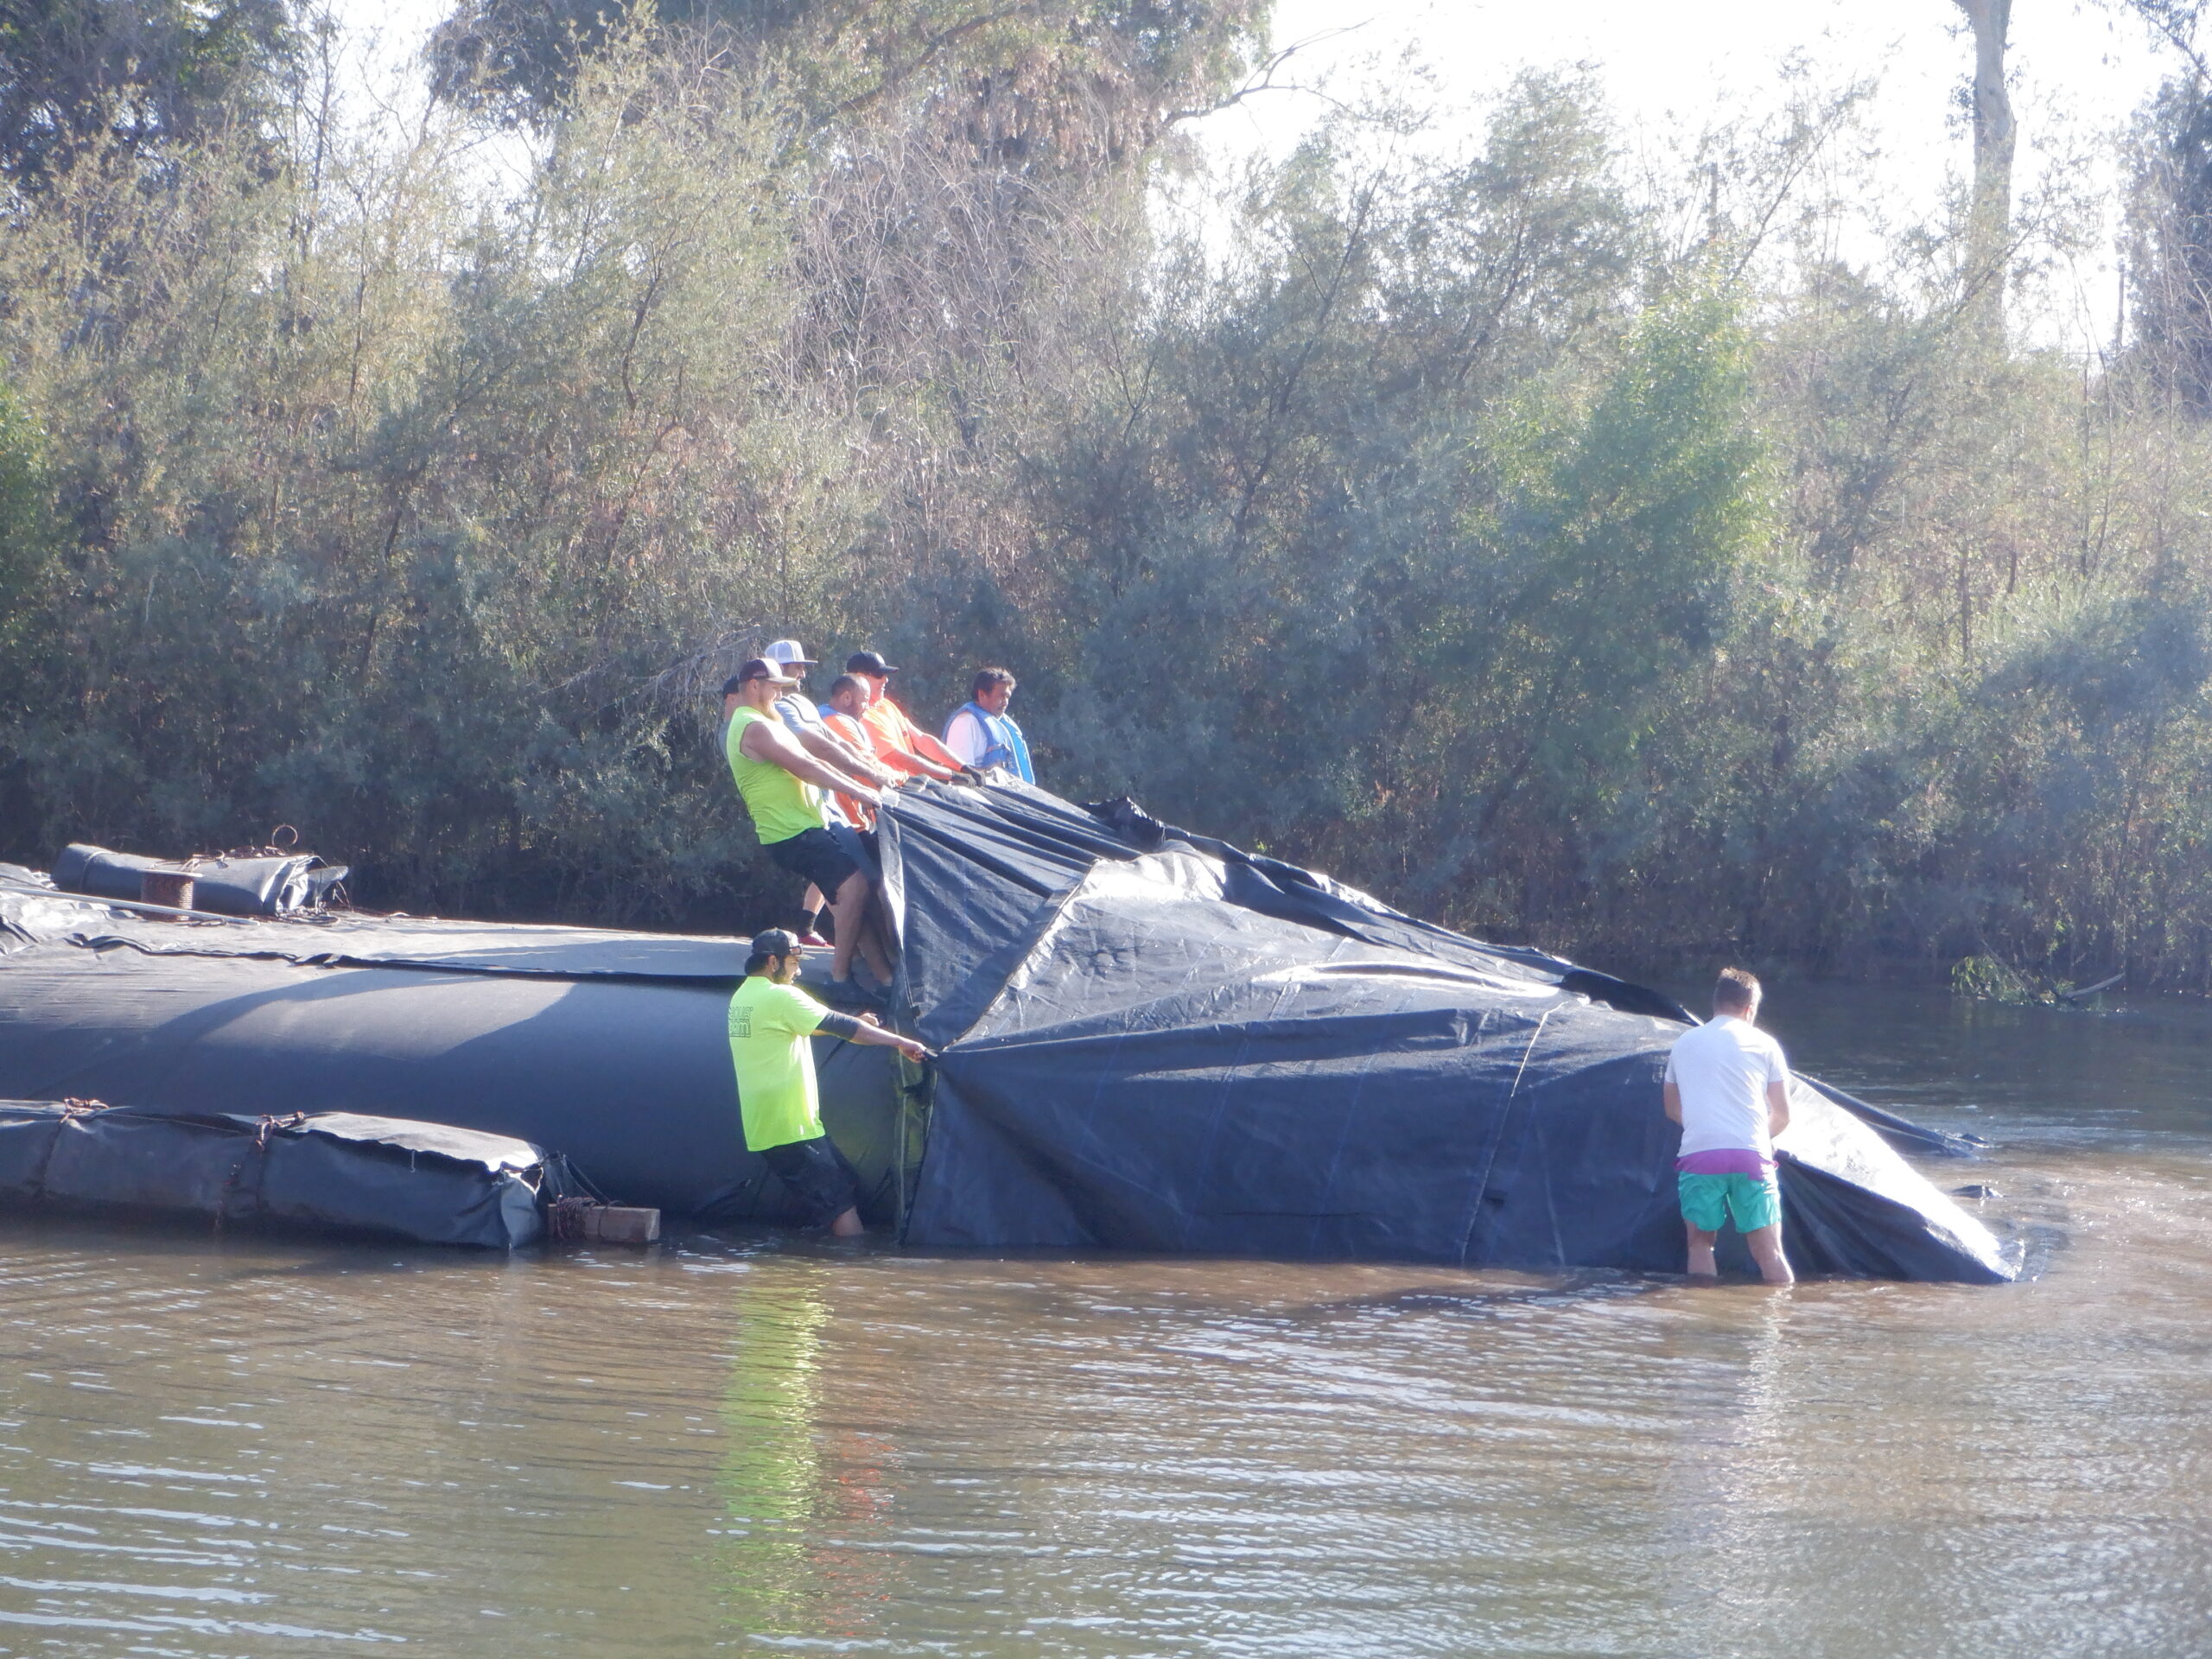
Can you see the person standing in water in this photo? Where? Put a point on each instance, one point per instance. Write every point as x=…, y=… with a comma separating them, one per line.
x=1728, y=1086
x=771, y=1020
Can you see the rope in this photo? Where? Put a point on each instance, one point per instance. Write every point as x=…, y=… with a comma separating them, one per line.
x=71, y=1108
x=275, y=848
x=268, y=1126
x=264, y=1132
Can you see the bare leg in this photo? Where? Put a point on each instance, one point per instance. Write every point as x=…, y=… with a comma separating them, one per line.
x=875, y=943
x=850, y=910
x=1701, y=1243
x=1766, y=1250
x=874, y=952
x=847, y=1224
x=879, y=921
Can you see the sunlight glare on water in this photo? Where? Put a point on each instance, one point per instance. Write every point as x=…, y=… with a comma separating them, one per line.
x=753, y=1445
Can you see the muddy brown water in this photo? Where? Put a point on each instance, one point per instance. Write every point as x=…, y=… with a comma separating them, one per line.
x=744, y=1445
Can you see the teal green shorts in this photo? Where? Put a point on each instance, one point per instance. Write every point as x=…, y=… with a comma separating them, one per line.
x=1709, y=1200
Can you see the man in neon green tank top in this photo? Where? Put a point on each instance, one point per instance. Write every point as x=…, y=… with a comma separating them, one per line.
x=782, y=785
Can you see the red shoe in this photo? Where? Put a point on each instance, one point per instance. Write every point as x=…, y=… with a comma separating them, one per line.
x=814, y=939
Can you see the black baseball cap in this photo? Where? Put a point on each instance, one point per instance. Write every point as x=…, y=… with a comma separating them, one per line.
x=756, y=668
x=869, y=662
x=775, y=942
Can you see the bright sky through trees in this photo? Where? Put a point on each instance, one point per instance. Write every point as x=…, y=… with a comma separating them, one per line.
x=2079, y=68
x=2079, y=71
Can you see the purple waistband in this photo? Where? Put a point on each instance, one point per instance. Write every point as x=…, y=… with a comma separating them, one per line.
x=1724, y=1160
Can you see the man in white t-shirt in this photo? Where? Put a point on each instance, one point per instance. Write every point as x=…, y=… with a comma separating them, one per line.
x=1728, y=1086
x=982, y=735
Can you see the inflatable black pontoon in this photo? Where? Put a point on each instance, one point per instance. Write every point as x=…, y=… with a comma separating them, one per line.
x=321, y=1172
x=1150, y=1041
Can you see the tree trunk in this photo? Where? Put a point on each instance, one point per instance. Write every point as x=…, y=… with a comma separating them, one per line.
x=1989, y=225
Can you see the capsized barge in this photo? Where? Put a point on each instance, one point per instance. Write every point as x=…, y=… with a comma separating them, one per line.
x=1150, y=1041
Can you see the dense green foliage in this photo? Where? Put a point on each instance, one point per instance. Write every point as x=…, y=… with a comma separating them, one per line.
x=1549, y=554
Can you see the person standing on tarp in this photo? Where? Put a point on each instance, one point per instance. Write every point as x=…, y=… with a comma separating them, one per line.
x=804, y=721
x=1728, y=1086
x=982, y=735
x=782, y=785
x=778, y=1098
x=897, y=741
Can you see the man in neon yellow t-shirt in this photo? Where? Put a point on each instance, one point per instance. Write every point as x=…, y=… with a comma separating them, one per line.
x=770, y=1021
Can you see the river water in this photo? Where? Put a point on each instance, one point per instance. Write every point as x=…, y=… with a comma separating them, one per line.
x=744, y=1444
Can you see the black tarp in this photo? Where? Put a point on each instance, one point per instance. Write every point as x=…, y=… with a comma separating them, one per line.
x=1152, y=1041
x=609, y=1047
x=428, y=1183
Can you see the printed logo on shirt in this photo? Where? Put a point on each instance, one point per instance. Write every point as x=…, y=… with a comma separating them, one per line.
x=741, y=1022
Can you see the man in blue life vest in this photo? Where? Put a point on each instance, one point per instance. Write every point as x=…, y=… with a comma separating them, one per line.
x=983, y=733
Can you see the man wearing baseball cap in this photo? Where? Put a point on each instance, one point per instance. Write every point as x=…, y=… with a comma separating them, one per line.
x=804, y=721
x=898, y=741
x=770, y=1021
x=782, y=785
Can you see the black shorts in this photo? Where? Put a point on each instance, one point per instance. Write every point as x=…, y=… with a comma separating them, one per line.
x=814, y=855
x=858, y=845
x=819, y=1177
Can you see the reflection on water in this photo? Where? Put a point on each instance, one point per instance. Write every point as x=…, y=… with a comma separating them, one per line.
x=743, y=1445
x=804, y=1496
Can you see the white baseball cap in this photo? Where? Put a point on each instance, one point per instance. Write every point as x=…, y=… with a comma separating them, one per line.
x=788, y=651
